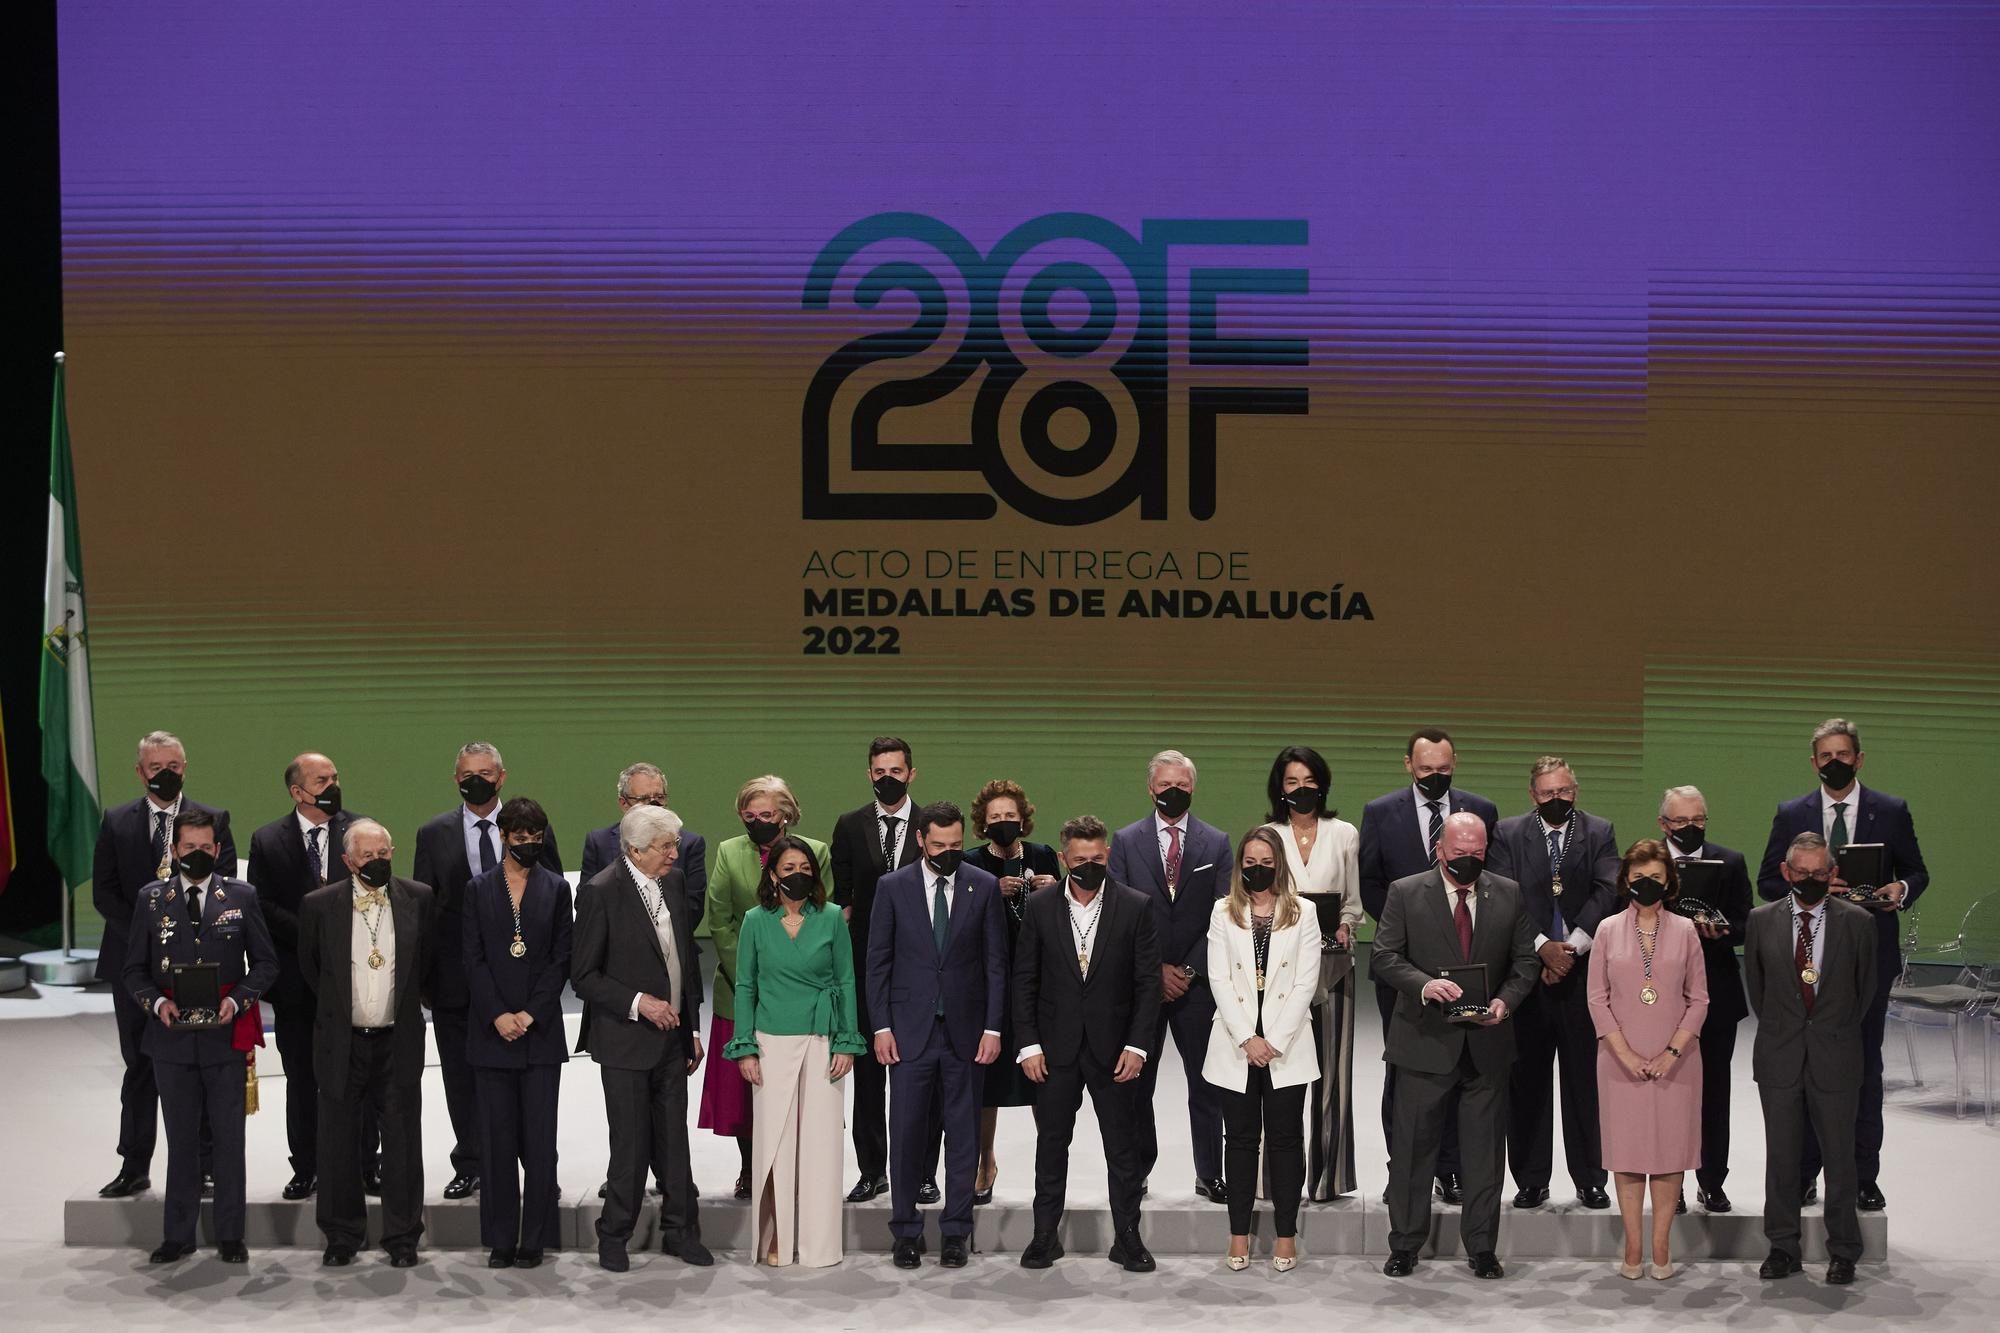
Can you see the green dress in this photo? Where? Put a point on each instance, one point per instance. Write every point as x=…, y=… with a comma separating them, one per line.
x=800, y=987
x=733, y=875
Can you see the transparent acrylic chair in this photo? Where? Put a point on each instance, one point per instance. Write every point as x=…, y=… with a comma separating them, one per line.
x=1960, y=1004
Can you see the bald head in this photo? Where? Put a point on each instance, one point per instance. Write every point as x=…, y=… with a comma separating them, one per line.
x=1464, y=834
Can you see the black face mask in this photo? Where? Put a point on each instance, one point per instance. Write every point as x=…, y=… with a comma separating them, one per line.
x=1304, y=800
x=525, y=853
x=1089, y=876
x=1434, y=786
x=797, y=886
x=1259, y=878
x=328, y=801
x=1688, y=838
x=890, y=791
x=1810, y=890
x=165, y=784
x=946, y=863
x=1174, y=802
x=1465, y=869
x=1003, y=832
x=477, y=790
x=1835, y=774
x=197, y=865
x=374, y=873
x=763, y=832
x=1647, y=891
x=1555, y=811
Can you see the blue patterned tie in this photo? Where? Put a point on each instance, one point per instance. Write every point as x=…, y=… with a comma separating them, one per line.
x=319, y=863
x=1556, y=885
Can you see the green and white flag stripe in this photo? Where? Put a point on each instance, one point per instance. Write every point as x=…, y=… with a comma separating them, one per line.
x=69, y=743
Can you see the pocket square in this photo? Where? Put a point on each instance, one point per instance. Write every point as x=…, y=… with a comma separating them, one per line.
x=1198, y=869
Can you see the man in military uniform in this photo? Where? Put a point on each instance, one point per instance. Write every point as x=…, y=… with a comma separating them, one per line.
x=198, y=916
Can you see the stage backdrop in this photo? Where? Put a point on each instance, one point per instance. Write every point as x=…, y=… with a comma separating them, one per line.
x=1049, y=383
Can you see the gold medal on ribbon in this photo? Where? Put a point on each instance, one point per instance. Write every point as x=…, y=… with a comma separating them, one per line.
x=1083, y=963
x=375, y=959
x=1647, y=995
x=1810, y=976
x=518, y=948
x=1260, y=978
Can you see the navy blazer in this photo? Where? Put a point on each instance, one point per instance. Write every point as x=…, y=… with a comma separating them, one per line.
x=284, y=876
x=1726, y=1002
x=440, y=862
x=1180, y=922
x=1395, y=844
x=1520, y=851
x=906, y=975
x=1881, y=818
x=232, y=935
x=503, y=984
x=124, y=867
x=601, y=849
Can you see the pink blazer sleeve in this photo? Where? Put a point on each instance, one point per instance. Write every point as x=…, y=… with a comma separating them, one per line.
x=1694, y=975
x=1600, y=982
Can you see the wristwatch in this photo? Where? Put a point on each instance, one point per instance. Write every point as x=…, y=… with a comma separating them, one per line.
x=1189, y=974
x=1674, y=1051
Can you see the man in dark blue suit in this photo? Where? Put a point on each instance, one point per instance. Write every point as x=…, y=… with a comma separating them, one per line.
x=1841, y=810
x=1684, y=819
x=134, y=852
x=645, y=784
x=1399, y=833
x=1566, y=862
x=937, y=988
x=1183, y=866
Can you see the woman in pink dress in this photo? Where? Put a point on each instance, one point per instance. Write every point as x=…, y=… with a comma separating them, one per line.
x=1648, y=996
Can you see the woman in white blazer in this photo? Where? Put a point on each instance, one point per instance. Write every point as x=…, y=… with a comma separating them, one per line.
x=1322, y=852
x=1263, y=969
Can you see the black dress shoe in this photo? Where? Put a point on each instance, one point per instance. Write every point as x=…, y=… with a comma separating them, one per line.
x=208, y=1185
x=500, y=1258
x=1448, y=1187
x=1215, y=1191
x=1486, y=1264
x=1401, y=1263
x=1593, y=1197
x=300, y=1186
x=463, y=1186
x=169, y=1252
x=1681, y=1203
x=604, y=1190
x=1529, y=1196
x=743, y=1186
x=611, y=1257
x=125, y=1184
x=527, y=1258
x=689, y=1250
x=403, y=1256
x=1809, y=1194
x=371, y=1181
x=1714, y=1200
x=1778, y=1264
x=337, y=1256
x=1869, y=1199
x=908, y=1255
x=954, y=1252
x=1042, y=1251
x=928, y=1192
x=1840, y=1272
x=232, y=1252
x=865, y=1188
x=1130, y=1253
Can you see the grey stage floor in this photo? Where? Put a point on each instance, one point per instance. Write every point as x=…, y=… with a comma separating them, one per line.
x=60, y=1060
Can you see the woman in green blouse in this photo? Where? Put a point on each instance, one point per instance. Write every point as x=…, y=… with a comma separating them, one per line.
x=796, y=1038
x=735, y=879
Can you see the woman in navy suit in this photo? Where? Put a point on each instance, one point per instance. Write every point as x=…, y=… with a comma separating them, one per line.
x=517, y=937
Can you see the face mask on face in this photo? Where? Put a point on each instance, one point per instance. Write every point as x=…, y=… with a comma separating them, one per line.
x=328, y=801
x=196, y=865
x=1555, y=811
x=763, y=832
x=525, y=853
x=797, y=886
x=375, y=873
x=1434, y=786
x=476, y=790
x=1003, y=832
x=891, y=790
x=165, y=784
x=1089, y=876
x=1810, y=889
x=1259, y=878
x=1647, y=891
x=1835, y=774
x=1688, y=839
x=1174, y=802
x=1465, y=869
x=1304, y=800
x=946, y=863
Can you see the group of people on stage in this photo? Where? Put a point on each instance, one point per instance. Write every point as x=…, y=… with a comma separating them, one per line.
x=952, y=981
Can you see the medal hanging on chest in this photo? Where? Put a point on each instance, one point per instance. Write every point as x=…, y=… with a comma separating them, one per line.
x=1260, y=945
x=519, y=948
x=1083, y=935
x=1647, y=994
x=374, y=924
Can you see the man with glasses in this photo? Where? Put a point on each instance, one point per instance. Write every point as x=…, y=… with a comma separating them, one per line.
x=645, y=784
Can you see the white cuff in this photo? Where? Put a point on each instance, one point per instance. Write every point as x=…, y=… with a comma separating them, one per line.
x=1540, y=940
x=880, y=1031
x=634, y=1015
x=1579, y=940
x=1136, y=1051
x=1027, y=1053
x=989, y=1032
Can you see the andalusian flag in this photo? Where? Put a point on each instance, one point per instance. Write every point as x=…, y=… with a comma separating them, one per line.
x=69, y=744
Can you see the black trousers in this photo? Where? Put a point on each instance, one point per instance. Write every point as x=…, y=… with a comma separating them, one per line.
x=1868, y=1110
x=1274, y=1118
x=187, y=1093
x=1189, y=1019
x=1057, y=1101
x=517, y=1144
x=398, y=1108
x=292, y=1024
x=1447, y=1162
x=1718, y=1050
x=647, y=1113
x=871, y=1088
x=1422, y=1102
x=1554, y=1024
x=461, y=1090
x=138, y=1094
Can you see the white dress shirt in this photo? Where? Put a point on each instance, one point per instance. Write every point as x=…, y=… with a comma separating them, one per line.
x=902, y=814
x=663, y=924
x=473, y=833
x=1079, y=920
x=1577, y=939
x=931, y=878
x=306, y=828
x=1853, y=803
x=374, y=987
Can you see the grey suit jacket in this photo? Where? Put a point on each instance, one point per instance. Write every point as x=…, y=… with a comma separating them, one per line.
x=1417, y=939
x=1824, y=1048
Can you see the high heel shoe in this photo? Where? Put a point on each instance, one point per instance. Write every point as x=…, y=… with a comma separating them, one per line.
x=985, y=1196
x=1284, y=1263
x=1237, y=1262
x=1630, y=1271
x=1661, y=1272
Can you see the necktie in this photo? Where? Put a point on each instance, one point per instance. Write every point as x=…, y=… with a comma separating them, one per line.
x=889, y=826
x=940, y=926
x=487, y=859
x=1556, y=886
x=1436, y=827
x=319, y=863
x=160, y=839
x=194, y=908
x=1838, y=838
x=1463, y=915
x=1173, y=860
x=1802, y=959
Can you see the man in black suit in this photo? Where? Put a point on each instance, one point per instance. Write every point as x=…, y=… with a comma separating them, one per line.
x=633, y=963
x=1684, y=819
x=1566, y=864
x=1399, y=833
x=367, y=944
x=1809, y=962
x=1086, y=1005
x=1182, y=865
x=134, y=852
x=645, y=784
x=867, y=844
x=1456, y=914
x=291, y=857
x=451, y=849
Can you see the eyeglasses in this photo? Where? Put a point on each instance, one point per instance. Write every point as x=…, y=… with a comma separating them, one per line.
x=1681, y=822
x=1567, y=793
